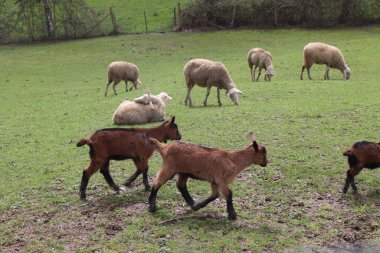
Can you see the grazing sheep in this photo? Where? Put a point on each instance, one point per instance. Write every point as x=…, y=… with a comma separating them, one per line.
x=321, y=53
x=145, y=109
x=206, y=73
x=361, y=155
x=217, y=166
x=121, y=144
x=122, y=71
x=261, y=58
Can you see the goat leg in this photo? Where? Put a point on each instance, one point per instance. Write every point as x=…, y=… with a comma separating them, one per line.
x=132, y=178
x=145, y=180
x=107, y=176
x=348, y=181
x=214, y=195
x=182, y=187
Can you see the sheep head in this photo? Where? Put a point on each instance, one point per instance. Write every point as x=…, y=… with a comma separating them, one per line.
x=269, y=73
x=233, y=95
x=164, y=96
x=346, y=73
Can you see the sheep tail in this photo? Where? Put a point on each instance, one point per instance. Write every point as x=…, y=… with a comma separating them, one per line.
x=348, y=152
x=83, y=142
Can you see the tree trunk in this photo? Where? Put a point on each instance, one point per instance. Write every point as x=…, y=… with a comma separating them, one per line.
x=49, y=19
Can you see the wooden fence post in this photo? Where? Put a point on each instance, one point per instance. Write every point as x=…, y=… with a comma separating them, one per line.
x=179, y=16
x=146, y=23
x=113, y=18
x=174, y=18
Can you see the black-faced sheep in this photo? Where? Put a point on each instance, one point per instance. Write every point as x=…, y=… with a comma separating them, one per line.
x=361, y=155
x=145, y=109
x=121, y=144
x=217, y=166
x=122, y=71
x=206, y=73
x=261, y=58
x=321, y=53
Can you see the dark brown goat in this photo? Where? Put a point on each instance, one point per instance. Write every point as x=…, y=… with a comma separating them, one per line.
x=361, y=155
x=121, y=144
x=217, y=166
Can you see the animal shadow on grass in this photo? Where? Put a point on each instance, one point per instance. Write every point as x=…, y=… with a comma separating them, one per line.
x=210, y=106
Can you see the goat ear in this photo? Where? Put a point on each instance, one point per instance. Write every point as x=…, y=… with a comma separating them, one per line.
x=172, y=121
x=255, y=146
x=251, y=136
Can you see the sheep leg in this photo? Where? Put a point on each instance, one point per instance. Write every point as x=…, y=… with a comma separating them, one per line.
x=218, y=95
x=182, y=187
x=327, y=77
x=87, y=173
x=108, y=84
x=303, y=69
x=188, y=97
x=227, y=193
x=214, y=195
x=308, y=73
x=162, y=177
x=114, y=85
x=126, y=86
x=257, y=79
x=207, y=94
x=254, y=73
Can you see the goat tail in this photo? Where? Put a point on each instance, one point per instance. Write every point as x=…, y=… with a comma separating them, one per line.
x=157, y=145
x=83, y=142
x=348, y=152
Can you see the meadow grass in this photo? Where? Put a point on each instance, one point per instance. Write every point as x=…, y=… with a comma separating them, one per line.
x=130, y=14
x=52, y=96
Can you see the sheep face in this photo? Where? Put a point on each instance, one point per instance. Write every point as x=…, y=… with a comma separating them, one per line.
x=346, y=73
x=269, y=74
x=233, y=95
x=164, y=96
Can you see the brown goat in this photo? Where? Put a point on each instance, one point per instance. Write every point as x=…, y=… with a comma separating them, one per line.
x=217, y=166
x=121, y=144
x=361, y=155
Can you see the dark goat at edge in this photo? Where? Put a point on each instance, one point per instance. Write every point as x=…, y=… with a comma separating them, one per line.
x=121, y=144
x=217, y=166
x=361, y=155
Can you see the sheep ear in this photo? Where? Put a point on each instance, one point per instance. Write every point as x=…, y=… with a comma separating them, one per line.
x=251, y=136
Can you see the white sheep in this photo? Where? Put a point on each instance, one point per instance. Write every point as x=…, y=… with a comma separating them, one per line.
x=321, y=53
x=147, y=108
x=151, y=100
x=122, y=71
x=261, y=58
x=206, y=73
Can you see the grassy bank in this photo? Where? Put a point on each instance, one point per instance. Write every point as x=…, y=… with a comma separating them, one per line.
x=52, y=95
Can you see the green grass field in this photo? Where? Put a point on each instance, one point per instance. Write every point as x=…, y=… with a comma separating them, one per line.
x=52, y=95
x=130, y=14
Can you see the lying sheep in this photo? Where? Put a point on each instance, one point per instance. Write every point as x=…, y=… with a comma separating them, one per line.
x=321, y=53
x=361, y=155
x=122, y=71
x=219, y=167
x=151, y=100
x=206, y=73
x=261, y=58
x=145, y=109
x=121, y=144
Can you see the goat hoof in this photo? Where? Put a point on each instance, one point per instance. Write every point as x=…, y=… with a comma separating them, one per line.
x=232, y=216
x=152, y=209
x=83, y=196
